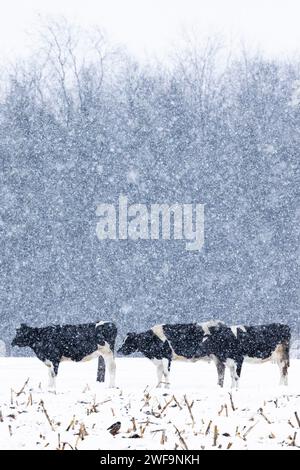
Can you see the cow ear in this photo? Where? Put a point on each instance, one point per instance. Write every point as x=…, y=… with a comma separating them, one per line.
x=23, y=325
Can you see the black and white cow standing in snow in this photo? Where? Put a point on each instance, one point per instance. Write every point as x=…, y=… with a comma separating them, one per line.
x=258, y=343
x=231, y=346
x=56, y=343
x=165, y=343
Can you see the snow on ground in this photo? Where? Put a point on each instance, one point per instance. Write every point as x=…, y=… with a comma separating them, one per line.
x=194, y=413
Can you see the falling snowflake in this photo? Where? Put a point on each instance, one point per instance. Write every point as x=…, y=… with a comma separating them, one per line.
x=133, y=176
x=126, y=308
x=99, y=169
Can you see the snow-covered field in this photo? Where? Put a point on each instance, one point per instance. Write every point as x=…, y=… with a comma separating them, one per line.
x=193, y=414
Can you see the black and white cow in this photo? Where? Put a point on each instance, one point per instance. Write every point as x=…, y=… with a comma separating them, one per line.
x=56, y=343
x=231, y=346
x=165, y=343
x=259, y=343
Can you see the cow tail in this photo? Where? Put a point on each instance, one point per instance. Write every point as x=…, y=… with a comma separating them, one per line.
x=168, y=352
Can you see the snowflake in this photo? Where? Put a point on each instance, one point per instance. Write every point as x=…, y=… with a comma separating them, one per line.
x=126, y=308
x=133, y=176
x=270, y=149
x=99, y=169
x=295, y=98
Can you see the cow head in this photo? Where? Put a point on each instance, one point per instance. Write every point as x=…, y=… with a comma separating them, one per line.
x=23, y=336
x=130, y=344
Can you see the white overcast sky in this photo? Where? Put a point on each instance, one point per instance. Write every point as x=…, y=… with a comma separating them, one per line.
x=152, y=26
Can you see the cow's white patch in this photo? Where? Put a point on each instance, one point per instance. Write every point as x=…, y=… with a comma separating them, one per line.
x=101, y=351
x=276, y=356
x=110, y=362
x=213, y=358
x=280, y=356
x=52, y=383
x=206, y=358
x=234, y=377
x=278, y=353
x=156, y=362
x=220, y=369
x=257, y=360
x=159, y=332
x=63, y=359
x=91, y=356
x=230, y=363
x=234, y=329
x=209, y=324
x=177, y=357
x=100, y=323
x=162, y=372
x=159, y=371
x=105, y=349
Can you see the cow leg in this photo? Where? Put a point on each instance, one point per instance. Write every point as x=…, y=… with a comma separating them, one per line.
x=110, y=363
x=159, y=371
x=220, y=370
x=238, y=371
x=221, y=373
x=235, y=367
x=283, y=363
x=234, y=378
x=166, y=371
x=284, y=367
x=53, y=370
x=101, y=369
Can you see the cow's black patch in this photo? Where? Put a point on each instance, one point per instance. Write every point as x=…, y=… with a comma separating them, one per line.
x=185, y=339
x=262, y=340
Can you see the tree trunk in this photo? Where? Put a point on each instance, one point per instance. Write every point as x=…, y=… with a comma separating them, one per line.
x=101, y=369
